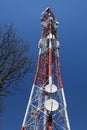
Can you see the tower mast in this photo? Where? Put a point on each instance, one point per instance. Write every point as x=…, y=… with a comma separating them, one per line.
x=47, y=109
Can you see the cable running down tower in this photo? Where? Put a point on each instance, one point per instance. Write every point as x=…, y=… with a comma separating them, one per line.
x=46, y=109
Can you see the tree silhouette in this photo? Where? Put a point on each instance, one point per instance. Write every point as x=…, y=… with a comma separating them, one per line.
x=14, y=59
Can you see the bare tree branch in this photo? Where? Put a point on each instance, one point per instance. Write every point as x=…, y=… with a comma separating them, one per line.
x=14, y=60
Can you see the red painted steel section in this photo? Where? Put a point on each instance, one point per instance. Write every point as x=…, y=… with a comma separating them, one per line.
x=47, y=76
x=50, y=122
x=50, y=128
x=23, y=128
x=59, y=74
x=37, y=71
x=42, y=72
x=60, y=82
x=42, y=79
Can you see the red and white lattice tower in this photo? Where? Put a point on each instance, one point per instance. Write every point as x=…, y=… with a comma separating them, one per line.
x=46, y=108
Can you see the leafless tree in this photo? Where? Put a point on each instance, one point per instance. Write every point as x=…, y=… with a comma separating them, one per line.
x=14, y=59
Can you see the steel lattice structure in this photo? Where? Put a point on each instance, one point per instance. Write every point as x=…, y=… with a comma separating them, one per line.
x=46, y=108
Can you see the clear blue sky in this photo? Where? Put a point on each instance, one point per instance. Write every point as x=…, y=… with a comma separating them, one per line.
x=72, y=16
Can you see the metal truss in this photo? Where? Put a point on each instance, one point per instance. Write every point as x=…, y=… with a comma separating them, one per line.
x=47, y=87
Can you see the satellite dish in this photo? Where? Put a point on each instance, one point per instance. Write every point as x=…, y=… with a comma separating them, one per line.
x=51, y=105
x=50, y=88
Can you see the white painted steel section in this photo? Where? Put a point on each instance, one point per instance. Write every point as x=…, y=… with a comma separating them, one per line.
x=50, y=80
x=29, y=103
x=63, y=96
x=50, y=35
x=50, y=44
x=66, y=114
x=50, y=47
x=39, y=51
x=57, y=53
x=57, y=44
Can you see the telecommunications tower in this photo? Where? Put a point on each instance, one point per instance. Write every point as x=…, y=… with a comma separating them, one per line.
x=46, y=109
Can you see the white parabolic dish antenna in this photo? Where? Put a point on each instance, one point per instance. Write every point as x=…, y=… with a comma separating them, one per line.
x=51, y=105
x=50, y=88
